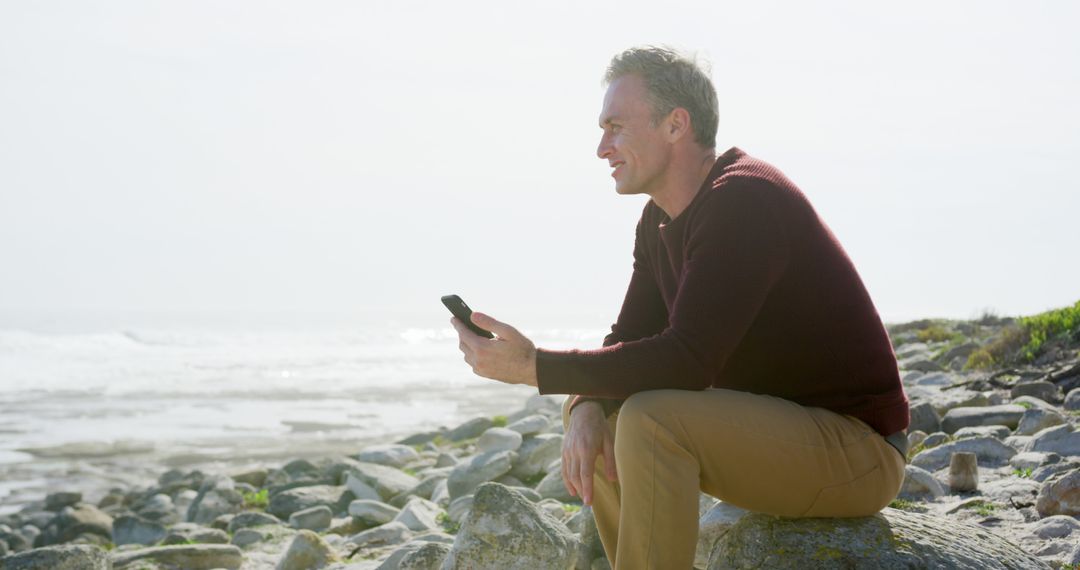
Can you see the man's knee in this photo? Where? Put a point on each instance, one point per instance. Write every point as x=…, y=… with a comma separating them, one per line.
x=639, y=416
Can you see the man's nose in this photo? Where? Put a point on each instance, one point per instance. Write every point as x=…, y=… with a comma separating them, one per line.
x=604, y=148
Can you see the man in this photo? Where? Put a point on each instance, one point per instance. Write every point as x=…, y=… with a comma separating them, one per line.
x=748, y=360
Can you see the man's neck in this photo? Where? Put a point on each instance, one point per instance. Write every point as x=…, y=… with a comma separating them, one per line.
x=685, y=178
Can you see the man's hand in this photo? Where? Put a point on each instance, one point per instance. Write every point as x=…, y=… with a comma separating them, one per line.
x=509, y=357
x=586, y=437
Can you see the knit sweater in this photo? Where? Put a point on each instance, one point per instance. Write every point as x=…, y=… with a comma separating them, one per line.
x=746, y=289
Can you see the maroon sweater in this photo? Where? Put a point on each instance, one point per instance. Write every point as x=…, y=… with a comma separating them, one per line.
x=747, y=289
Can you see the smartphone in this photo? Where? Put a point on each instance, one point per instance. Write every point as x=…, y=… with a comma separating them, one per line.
x=464, y=314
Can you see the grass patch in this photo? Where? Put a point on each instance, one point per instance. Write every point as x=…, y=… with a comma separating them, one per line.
x=1025, y=405
x=499, y=421
x=1046, y=326
x=906, y=505
x=1024, y=473
x=571, y=508
x=258, y=500
x=934, y=333
x=447, y=523
x=985, y=509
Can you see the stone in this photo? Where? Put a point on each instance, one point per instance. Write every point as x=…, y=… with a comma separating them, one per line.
x=300, y=469
x=314, y=518
x=254, y=477
x=1035, y=420
x=386, y=481
x=481, y=468
x=958, y=398
x=470, y=429
x=530, y=425
x=70, y=522
x=996, y=432
x=445, y=460
x=1031, y=459
x=459, y=508
x=136, y=530
x=1056, y=526
x=1059, y=439
x=63, y=557
x=186, y=533
x=217, y=496
x=920, y=483
x=424, y=488
x=307, y=551
x=247, y=537
x=1011, y=491
x=1072, y=400
x=1041, y=389
x=18, y=541
x=429, y=556
x=1005, y=414
x=251, y=519
x=373, y=513
x=392, y=455
x=990, y=453
x=285, y=503
x=186, y=556
x=1045, y=472
x=935, y=439
x=389, y=533
x=56, y=501
x=504, y=530
x=1060, y=495
x=553, y=487
x=891, y=539
x=712, y=526
x=498, y=439
x=924, y=418
x=535, y=454
x=963, y=472
x=915, y=438
x=419, y=515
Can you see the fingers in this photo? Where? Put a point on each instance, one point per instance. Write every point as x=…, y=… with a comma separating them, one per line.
x=585, y=482
x=498, y=327
x=465, y=335
x=569, y=473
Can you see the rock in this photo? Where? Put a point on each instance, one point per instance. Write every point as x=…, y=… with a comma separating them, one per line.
x=935, y=439
x=136, y=530
x=1060, y=495
x=996, y=432
x=535, y=454
x=1032, y=459
x=372, y=512
x=1011, y=491
x=1035, y=420
x=915, y=438
x=1059, y=439
x=504, y=530
x=553, y=487
x=712, y=526
x=467, y=475
x=18, y=541
x=445, y=460
x=187, y=533
x=392, y=455
x=470, y=429
x=958, y=398
x=217, y=496
x=254, y=477
x=285, y=503
x=56, y=501
x=423, y=489
x=251, y=519
x=307, y=552
x=1045, y=472
x=63, y=557
x=1006, y=415
x=300, y=469
x=186, y=556
x=921, y=364
x=990, y=453
x=924, y=418
x=1041, y=389
x=247, y=537
x=459, y=508
x=387, y=481
x=419, y=515
x=963, y=472
x=1072, y=400
x=498, y=439
x=314, y=518
x=1056, y=526
x=530, y=425
x=389, y=533
x=920, y=483
x=892, y=539
x=70, y=522
x=429, y=556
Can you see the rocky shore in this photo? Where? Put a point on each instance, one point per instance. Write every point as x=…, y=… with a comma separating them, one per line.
x=993, y=481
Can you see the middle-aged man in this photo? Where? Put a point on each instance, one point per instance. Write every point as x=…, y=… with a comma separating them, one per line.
x=748, y=360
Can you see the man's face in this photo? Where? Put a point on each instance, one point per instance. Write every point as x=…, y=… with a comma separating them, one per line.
x=632, y=145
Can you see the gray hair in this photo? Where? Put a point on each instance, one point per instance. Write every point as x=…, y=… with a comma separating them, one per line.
x=672, y=80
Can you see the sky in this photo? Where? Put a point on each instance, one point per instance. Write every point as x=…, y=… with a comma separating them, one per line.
x=351, y=162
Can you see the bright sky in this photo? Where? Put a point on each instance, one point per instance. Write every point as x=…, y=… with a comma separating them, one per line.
x=357, y=160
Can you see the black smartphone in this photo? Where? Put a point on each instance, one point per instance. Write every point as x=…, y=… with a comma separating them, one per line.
x=464, y=314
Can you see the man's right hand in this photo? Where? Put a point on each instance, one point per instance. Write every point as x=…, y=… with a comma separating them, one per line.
x=586, y=437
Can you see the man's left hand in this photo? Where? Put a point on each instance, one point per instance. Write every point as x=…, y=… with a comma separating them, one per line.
x=509, y=357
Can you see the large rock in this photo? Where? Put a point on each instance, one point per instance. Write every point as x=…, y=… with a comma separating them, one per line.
x=70, y=522
x=64, y=557
x=186, y=556
x=429, y=556
x=392, y=455
x=481, y=468
x=135, y=530
x=712, y=526
x=552, y=486
x=1041, y=389
x=920, y=483
x=1035, y=420
x=251, y=519
x=1060, y=439
x=316, y=518
x=56, y=501
x=419, y=515
x=288, y=502
x=530, y=425
x=1060, y=495
x=387, y=481
x=1072, y=400
x=1005, y=415
x=390, y=533
x=217, y=496
x=373, y=512
x=990, y=453
x=504, y=530
x=307, y=551
x=498, y=439
x=470, y=429
x=536, y=453
x=924, y=418
x=889, y=540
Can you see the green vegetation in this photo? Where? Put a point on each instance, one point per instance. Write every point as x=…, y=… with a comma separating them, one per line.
x=571, y=507
x=533, y=480
x=906, y=505
x=447, y=523
x=1025, y=405
x=1024, y=340
x=982, y=508
x=499, y=421
x=1046, y=326
x=934, y=333
x=257, y=500
x=409, y=471
x=1024, y=473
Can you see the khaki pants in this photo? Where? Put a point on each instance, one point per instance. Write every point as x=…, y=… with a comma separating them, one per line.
x=761, y=453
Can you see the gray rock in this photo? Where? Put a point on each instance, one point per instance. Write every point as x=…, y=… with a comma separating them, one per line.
x=247, y=536
x=307, y=552
x=186, y=533
x=1035, y=420
x=1041, y=389
x=389, y=533
x=288, y=502
x=70, y=522
x=445, y=460
x=360, y=489
x=547, y=405
x=920, y=483
x=530, y=425
x=64, y=557
x=892, y=539
x=467, y=475
x=712, y=526
x=553, y=487
x=56, y=501
x=253, y=477
x=424, y=489
x=1005, y=414
x=1072, y=400
x=470, y=429
x=1059, y=439
x=251, y=519
x=217, y=496
x=1060, y=495
x=1011, y=490
x=186, y=556
x=1031, y=459
x=996, y=432
x=1045, y=472
x=392, y=455
x=372, y=512
x=498, y=439
x=535, y=454
x=1032, y=402
x=958, y=398
x=924, y=418
x=135, y=530
x=314, y=518
x=504, y=530
x=1056, y=526
x=935, y=439
x=459, y=508
x=990, y=453
x=387, y=481
x=17, y=541
x=419, y=515
x=429, y=556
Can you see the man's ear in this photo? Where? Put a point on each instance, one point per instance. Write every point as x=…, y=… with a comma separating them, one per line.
x=678, y=124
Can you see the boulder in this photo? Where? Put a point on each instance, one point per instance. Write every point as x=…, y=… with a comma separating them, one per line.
x=135, y=530
x=251, y=519
x=1059, y=439
x=996, y=432
x=392, y=455
x=63, y=557
x=1060, y=495
x=891, y=539
x=470, y=429
x=307, y=551
x=191, y=533
x=56, y=501
x=498, y=439
x=186, y=556
x=990, y=453
x=553, y=487
x=504, y=530
x=536, y=453
x=924, y=418
x=70, y=522
x=1072, y=400
x=386, y=481
x=481, y=468
x=428, y=556
x=1041, y=389
x=1035, y=420
x=217, y=496
x=1005, y=414
x=288, y=502
x=419, y=515
x=372, y=512
x=530, y=425
x=920, y=483
x=712, y=526
x=390, y=533
x=314, y=518
x=1055, y=526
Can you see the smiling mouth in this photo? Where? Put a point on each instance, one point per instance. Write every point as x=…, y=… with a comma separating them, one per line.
x=616, y=168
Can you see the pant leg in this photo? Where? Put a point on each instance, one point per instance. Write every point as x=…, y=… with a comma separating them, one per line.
x=762, y=453
x=605, y=504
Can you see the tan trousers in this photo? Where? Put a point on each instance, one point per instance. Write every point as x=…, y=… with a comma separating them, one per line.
x=761, y=453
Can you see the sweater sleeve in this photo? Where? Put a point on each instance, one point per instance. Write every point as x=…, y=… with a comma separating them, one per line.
x=735, y=253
